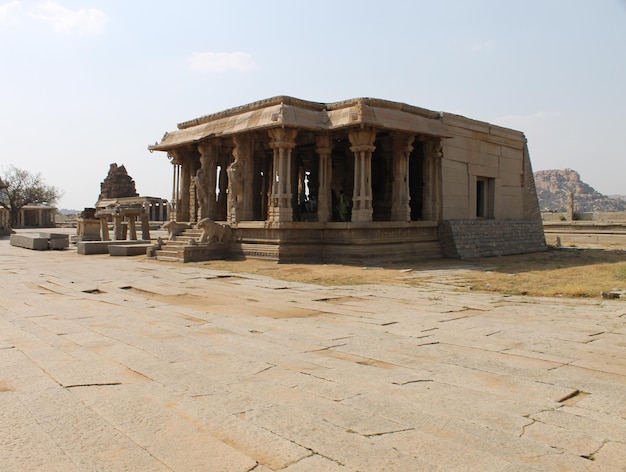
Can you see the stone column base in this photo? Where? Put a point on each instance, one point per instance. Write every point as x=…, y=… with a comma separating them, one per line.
x=362, y=215
x=280, y=214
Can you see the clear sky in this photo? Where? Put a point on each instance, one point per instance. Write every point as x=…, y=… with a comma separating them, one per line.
x=87, y=83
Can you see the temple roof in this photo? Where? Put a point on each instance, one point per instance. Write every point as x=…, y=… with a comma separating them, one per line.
x=285, y=111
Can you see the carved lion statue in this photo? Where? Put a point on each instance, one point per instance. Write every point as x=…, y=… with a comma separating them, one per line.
x=174, y=228
x=213, y=232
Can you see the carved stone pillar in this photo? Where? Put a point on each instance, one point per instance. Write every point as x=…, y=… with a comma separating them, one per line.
x=362, y=142
x=222, y=199
x=184, y=188
x=241, y=194
x=104, y=228
x=206, y=179
x=282, y=142
x=193, y=166
x=175, y=206
x=324, y=199
x=402, y=148
x=132, y=228
x=432, y=180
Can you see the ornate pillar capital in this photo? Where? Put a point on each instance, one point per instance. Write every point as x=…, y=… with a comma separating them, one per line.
x=362, y=140
x=323, y=144
x=175, y=156
x=208, y=148
x=284, y=138
x=403, y=142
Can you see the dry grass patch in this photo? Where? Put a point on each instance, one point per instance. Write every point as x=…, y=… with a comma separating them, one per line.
x=555, y=273
x=559, y=272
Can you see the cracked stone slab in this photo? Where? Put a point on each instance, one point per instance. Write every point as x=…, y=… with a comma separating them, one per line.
x=114, y=364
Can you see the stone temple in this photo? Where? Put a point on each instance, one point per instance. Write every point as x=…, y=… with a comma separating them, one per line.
x=360, y=179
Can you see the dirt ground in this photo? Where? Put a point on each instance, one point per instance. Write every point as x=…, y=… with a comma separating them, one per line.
x=560, y=272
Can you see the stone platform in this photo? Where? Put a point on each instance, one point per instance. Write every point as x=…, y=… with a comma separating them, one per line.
x=129, y=249
x=102, y=247
x=113, y=364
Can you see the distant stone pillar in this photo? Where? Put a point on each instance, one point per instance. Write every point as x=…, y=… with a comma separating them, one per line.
x=206, y=180
x=402, y=148
x=175, y=204
x=132, y=228
x=118, y=229
x=324, y=198
x=282, y=142
x=145, y=227
x=362, y=146
x=570, y=206
x=104, y=228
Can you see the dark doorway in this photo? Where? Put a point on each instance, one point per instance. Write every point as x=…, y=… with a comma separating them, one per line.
x=381, y=184
x=342, y=183
x=261, y=184
x=416, y=181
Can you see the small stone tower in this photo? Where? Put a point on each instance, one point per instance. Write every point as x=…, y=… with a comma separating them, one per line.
x=117, y=184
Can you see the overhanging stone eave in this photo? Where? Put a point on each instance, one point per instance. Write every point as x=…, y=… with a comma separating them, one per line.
x=290, y=113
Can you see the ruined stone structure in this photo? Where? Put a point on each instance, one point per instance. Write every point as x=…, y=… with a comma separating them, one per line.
x=118, y=188
x=117, y=184
x=29, y=216
x=358, y=179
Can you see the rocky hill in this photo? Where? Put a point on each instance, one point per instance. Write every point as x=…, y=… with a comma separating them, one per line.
x=553, y=187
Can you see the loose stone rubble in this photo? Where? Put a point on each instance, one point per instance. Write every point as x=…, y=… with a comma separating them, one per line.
x=128, y=364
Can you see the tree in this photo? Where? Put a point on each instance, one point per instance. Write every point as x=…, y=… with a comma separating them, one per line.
x=24, y=188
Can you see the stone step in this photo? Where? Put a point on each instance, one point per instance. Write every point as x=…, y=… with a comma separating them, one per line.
x=168, y=258
x=269, y=251
x=177, y=243
x=129, y=249
x=166, y=249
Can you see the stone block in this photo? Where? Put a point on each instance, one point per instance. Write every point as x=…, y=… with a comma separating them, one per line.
x=459, y=121
x=56, y=240
x=102, y=247
x=29, y=241
x=128, y=249
x=508, y=133
x=53, y=235
x=484, y=170
x=486, y=147
x=511, y=164
x=457, y=154
x=511, y=152
x=58, y=244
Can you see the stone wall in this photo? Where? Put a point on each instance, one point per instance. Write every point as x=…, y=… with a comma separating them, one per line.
x=601, y=216
x=474, y=151
x=530, y=199
x=480, y=238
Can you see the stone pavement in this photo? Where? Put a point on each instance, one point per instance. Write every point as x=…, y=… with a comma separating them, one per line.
x=114, y=364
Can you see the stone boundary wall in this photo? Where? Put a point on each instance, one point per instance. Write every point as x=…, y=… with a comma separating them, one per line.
x=480, y=238
x=531, y=201
x=599, y=216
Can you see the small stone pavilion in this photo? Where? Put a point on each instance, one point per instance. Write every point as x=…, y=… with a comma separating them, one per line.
x=120, y=203
x=360, y=179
